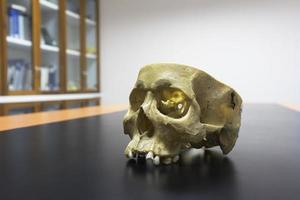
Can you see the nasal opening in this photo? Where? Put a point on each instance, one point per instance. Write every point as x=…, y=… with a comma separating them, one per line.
x=145, y=126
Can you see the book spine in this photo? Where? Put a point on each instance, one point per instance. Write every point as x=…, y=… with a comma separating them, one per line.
x=17, y=79
x=52, y=77
x=11, y=72
x=10, y=21
x=44, y=78
x=16, y=20
x=21, y=85
x=28, y=79
x=16, y=23
x=21, y=26
x=13, y=22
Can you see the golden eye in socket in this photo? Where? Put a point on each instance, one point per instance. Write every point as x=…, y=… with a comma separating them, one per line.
x=173, y=102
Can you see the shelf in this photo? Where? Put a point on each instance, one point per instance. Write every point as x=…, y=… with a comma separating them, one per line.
x=90, y=22
x=16, y=42
x=73, y=52
x=72, y=14
x=48, y=97
x=91, y=56
x=49, y=48
x=47, y=5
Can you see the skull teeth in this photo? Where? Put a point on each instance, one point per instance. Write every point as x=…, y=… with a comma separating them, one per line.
x=149, y=155
x=176, y=158
x=131, y=155
x=156, y=160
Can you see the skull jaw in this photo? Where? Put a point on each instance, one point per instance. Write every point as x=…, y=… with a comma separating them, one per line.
x=158, y=146
x=165, y=145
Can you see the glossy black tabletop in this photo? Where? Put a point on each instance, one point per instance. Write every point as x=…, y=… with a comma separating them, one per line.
x=83, y=159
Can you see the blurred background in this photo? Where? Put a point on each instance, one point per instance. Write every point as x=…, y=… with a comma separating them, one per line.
x=252, y=46
x=58, y=54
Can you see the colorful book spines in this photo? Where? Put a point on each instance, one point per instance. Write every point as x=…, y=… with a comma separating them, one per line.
x=19, y=75
x=16, y=20
x=13, y=15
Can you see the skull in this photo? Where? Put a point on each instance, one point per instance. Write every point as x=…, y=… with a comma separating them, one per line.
x=176, y=107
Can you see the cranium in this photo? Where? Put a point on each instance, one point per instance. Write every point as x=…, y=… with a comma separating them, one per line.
x=176, y=107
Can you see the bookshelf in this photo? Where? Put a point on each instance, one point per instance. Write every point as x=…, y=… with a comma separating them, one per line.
x=90, y=44
x=49, y=45
x=56, y=61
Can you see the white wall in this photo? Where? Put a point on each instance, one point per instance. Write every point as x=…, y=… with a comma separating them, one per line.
x=252, y=45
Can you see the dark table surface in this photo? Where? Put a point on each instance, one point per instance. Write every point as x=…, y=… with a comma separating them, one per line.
x=83, y=159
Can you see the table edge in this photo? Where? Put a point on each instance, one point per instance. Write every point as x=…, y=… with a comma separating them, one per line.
x=40, y=118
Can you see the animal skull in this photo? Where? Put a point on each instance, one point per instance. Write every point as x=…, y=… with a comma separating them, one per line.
x=175, y=107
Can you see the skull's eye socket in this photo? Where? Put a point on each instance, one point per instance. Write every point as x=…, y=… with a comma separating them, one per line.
x=137, y=98
x=173, y=102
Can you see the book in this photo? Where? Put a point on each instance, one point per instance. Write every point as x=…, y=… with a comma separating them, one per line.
x=44, y=78
x=28, y=77
x=10, y=75
x=21, y=26
x=46, y=37
x=53, y=77
x=19, y=75
x=16, y=21
x=13, y=22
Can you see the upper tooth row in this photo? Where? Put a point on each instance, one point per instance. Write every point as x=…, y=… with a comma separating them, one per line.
x=156, y=159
